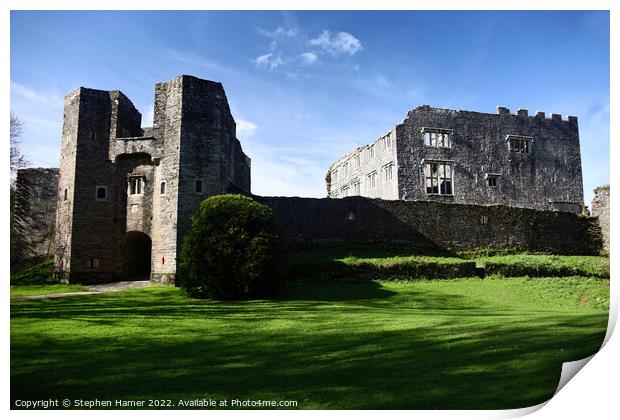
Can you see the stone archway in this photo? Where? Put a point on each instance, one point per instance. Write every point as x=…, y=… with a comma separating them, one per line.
x=134, y=256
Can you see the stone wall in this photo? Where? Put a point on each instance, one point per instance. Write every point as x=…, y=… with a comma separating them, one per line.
x=600, y=210
x=34, y=213
x=308, y=222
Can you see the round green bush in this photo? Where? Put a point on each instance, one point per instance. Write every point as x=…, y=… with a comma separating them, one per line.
x=234, y=250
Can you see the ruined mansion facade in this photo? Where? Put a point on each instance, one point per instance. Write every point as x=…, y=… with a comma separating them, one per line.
x=126, y=194
x=467, y=157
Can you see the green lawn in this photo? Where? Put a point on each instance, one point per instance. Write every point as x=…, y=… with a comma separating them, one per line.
x=449, y=344
x=45, y=289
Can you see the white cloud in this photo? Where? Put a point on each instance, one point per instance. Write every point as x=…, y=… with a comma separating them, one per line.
x=377, y=85
x=268, y=61
x=341, y=43
x=147, y=118
x=37, y=98
x=245, y=128
x=195, y=61
x=278, y=32
x=41, y=112
x=308, y=57
x=275, y=175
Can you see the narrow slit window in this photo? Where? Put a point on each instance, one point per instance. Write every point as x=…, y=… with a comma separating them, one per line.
x=198, y=186
x=101, y=193
x=162, y=188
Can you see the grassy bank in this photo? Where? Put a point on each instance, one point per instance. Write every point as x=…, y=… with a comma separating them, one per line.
x=38, y=280
x=369, y=262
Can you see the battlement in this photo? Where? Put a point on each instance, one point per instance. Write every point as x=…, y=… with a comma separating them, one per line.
x=521, y=112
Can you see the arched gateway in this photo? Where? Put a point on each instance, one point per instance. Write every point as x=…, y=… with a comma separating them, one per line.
x=134, y=256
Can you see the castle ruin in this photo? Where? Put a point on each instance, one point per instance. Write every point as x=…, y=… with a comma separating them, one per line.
x=126, y=194
x=446, y=179
x=466, y=157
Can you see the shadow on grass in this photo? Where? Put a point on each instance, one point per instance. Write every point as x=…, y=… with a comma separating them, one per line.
x=365, y=349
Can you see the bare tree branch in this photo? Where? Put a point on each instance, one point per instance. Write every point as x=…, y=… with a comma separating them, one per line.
x=18, y=160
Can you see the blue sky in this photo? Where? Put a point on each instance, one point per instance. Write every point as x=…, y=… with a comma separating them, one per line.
x=307, y=87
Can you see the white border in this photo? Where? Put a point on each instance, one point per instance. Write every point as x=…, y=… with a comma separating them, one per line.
x=592, y=394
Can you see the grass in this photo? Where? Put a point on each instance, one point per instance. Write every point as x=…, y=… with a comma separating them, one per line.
x=373, y=262
x=546, y=265
x=365, y=262
x=37, y=274
x=45, y=289
x=452, y=344
x=38, y=280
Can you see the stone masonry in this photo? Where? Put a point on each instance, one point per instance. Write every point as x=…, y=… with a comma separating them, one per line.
x=600, y=210
x=126, y=194
x=467, y=157
x=429, y=225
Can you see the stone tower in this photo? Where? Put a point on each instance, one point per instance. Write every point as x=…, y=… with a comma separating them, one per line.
x=126, y=194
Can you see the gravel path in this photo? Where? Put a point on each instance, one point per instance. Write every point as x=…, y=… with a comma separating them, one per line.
x=92, y=290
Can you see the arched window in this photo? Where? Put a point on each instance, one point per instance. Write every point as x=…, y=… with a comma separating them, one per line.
x=135, y=185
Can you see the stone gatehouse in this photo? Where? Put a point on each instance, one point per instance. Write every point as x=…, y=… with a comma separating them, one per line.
x=127, y=193
x=467, y=157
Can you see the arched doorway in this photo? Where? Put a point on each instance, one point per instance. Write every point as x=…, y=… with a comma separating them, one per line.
x=134, y=256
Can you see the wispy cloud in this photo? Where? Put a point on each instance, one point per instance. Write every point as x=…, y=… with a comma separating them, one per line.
x=37, y=98
x=147, y=118
x=268, y=61
x=192, y=61
x=280, y=171
x=41, y=112
x=245, y=129
x=279, y=32
x=308, y=57
x=292, y=51
x=340, y=43
x=377, y=85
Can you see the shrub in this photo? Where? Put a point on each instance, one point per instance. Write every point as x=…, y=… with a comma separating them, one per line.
x=234, y=250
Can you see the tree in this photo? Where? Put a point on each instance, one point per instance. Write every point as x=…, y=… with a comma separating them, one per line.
x=17, y=239
x=17, y=157
x=234, y=250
